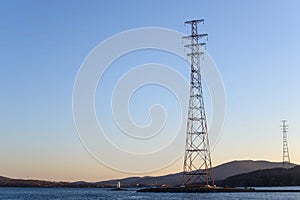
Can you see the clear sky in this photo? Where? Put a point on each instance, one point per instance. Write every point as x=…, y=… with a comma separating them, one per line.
x=255, y=45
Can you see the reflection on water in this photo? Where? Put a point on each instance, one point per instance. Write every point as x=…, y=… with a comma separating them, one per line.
x=95, y=193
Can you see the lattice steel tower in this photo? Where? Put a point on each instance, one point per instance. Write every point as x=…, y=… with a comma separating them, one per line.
x=197, y=162
x=286, y=155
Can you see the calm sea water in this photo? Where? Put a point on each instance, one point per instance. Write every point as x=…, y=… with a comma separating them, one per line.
x=94, y=193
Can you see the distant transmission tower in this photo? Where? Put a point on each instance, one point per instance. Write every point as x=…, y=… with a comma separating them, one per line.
x=197, y=162
x=286, y=156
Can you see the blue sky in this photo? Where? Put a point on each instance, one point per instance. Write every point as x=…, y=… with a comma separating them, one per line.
x=255, y=45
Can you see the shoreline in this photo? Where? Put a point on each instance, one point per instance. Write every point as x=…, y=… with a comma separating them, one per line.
x=211, y=190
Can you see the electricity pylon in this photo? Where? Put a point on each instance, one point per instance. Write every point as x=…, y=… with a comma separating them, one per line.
x=285, y=154
x=197, y=169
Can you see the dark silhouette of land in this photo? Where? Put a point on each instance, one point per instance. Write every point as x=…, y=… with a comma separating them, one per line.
x=8, y=182
x=221, y=172
x=267, y=177
x=235, y=173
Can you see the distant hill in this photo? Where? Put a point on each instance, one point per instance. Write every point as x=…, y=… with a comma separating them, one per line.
x=221, y=172
x=267, y=177
x=8, y=182
x=226, y=170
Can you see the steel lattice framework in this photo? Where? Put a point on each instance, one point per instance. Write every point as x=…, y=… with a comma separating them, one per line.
x=286, y=156
x=197, y=169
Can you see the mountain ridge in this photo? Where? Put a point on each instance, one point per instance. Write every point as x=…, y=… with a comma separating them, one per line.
x=267, y=178
x=221, y=172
